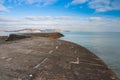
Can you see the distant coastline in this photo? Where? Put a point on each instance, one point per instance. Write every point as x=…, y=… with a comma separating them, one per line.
x=28, y=30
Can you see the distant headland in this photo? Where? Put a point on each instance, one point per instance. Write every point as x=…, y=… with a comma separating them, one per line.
x=29, y=30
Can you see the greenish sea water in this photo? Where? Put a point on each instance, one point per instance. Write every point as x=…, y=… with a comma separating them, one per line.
x=106, y=45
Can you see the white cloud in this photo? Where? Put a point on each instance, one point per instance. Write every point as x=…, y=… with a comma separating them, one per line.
x=3, y=8
x=36, y=21
x=48, y=2
x=64, y=17
x=7, y=19
x=1, y=1
x=99, y=5
x=42, y=3
x=93, y=23
x=37, y=2
x=95, y=18
x=104, y=5
x=78, y=1
x=37, y=18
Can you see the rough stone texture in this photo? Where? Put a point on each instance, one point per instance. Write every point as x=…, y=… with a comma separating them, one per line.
x=3, y=38
x=50, y=59
x=28, y=35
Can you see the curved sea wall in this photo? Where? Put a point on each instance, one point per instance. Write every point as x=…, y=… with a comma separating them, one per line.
x=50, y=59
x=13, y=37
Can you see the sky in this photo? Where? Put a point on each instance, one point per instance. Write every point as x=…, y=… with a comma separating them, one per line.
x=73, y=15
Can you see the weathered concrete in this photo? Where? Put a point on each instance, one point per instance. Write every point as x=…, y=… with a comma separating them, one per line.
x=28, y=35
x=50, y=59
x=3, y=38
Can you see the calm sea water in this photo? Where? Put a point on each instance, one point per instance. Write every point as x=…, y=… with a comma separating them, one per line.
x=106, y=45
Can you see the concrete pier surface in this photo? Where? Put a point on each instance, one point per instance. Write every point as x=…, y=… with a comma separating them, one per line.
x=50, y=59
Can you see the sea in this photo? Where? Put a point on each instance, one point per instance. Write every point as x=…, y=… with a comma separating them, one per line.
x=105, y=45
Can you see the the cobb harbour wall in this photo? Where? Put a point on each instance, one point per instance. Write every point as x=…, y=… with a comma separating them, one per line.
x=34, y=57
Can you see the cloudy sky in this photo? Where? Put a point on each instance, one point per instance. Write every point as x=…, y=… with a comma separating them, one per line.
x=75, y=15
